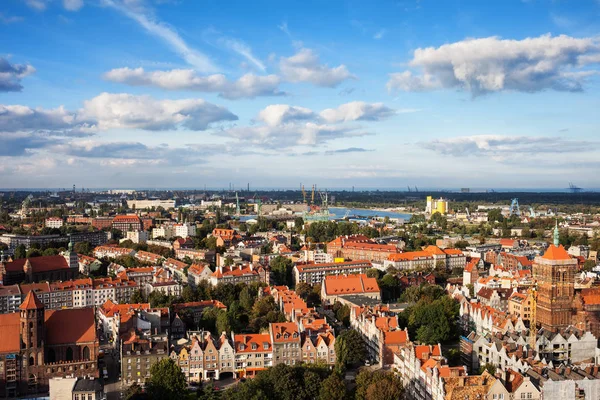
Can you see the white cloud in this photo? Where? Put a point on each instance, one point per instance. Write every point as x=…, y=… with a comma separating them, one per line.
x=9, y=19
x=73, y=5
x=289, y=135
x=277, y=114
x=305, y=66
x=193, y=57
x=12, y=74
x=357, y=111
x=493, y=64
x=501, y=146
x=248, y=86
x=16, y=118
x=108, y=111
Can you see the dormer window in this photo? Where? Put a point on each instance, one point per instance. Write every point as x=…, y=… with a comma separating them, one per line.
x=266, y=346
x=278, y=335
x=295, y=335
x=242, y=347
x=254, y=346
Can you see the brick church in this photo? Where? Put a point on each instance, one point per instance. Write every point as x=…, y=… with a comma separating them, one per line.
x=558, y=303
x=36, y=269
x=38, y=344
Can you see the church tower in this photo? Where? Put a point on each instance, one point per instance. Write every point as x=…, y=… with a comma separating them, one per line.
x=32, y=323
x=554, y=273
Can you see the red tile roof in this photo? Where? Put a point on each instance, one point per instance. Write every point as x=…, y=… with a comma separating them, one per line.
x=284, y=329
x=39, y=264
x=9, y=333
x=395, y=337
x=31, y=302
x=74, y=325
x=350, y=284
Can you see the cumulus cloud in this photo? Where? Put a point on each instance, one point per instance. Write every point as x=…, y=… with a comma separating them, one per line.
x=38, y=5
x=248, y=86
x=129, y=153
x=9, y=19
x=277, y=114
x=166, y=33
x=122, y=110
x=357, y=111
x=493, y=64
x=499, y=146
x=305, y=66
x=11, y=75
x=21, y=144
x=16, y=118
x=289, y=135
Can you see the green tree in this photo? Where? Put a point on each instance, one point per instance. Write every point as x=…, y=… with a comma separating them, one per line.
x=350, y=348
x=247, y=298
x=137, y=297
x=588, y=265
x=222, y=323
x=20, y=251
x=281, y=271
x=84, y=248
x=166, y=381
x=33, y=253
x=133, y=392
x=491, y=368
x=303, y=290
x=333, y=388
x=378, y=385
x=188, y=294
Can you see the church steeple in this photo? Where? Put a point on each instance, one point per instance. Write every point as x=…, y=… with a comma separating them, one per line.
x=556, y=235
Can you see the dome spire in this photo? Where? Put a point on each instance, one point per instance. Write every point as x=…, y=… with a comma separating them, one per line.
x=556, y=235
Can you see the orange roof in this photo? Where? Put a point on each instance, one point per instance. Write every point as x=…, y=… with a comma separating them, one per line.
x=9, y=333
x=556, y=253
x=386, y=323
x=411, y=255
x=196, y=269
x=453, y=252
x=350, y=284
x=284, y=332
x=31, y=302
x=259, y=340
x=126, y=218
x=395, y=337
x=74, y=325
x=434, y=250
x=423, y=352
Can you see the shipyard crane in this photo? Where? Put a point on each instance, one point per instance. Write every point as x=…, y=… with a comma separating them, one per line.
x=303, y=194
x=514, y=208
x=312, y=194
x=468, y=213
x=531, y=212
x=237, y=205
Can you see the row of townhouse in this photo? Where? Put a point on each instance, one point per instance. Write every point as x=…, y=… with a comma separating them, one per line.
x=314, y=274
x=112, y=252
x=118, y=320
x=75, y=293
x=512, y=350
x=204, y=356
x=429, y=258
x=485, y=319
x=379, y=328
x=242, y=273
x=427, y=376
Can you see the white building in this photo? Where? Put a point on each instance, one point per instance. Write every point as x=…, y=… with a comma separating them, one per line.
x=137, y=236
x=165, y=231
x=185, y=230
x=54, y=222
x=143, y=204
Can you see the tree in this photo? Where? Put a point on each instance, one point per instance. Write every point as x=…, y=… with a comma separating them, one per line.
x=461, y=244
x=166, y=381
x=137, y=297
x=333, y=388
x=350, y=348
x=246, y=298
x=342, y=313
x=378, y=385
x=303, y=290
x=222, y=324
x=188, y=294
x=133, y=392
x=588, y=265
x=435, y=322
x=491, y=368
x=33, y=253
x=281, y=271
x=20, y=251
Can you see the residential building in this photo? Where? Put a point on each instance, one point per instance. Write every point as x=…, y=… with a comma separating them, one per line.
x=88, y=264
x=101, y=223
x=112, y=252
x=137, y=236
x=140, y=275
x=336, y=287
x=195, y=254
x=138, y=354
x=10, y=298
x=286, y=340
x=314, y=274
x=253, y=353
x=152, y=203
x=185, y=230
x=13, y=240
x=429, y=258
x=373, y=323
x=360, y=247
x=96, y=238
x=149, y=258
x=520, y=304
x=54, y=222
x=163, y=231
x=126, y=223
x=197, y=308
x=88, y=389
x=178, y=269
x=225, y=237
x=319, y=348
x=197, y=273
x=240, y=274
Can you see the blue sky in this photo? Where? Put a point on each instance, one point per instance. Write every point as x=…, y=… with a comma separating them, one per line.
x=182, y=93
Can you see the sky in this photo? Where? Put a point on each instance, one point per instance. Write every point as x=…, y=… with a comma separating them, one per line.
x=193, y=94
